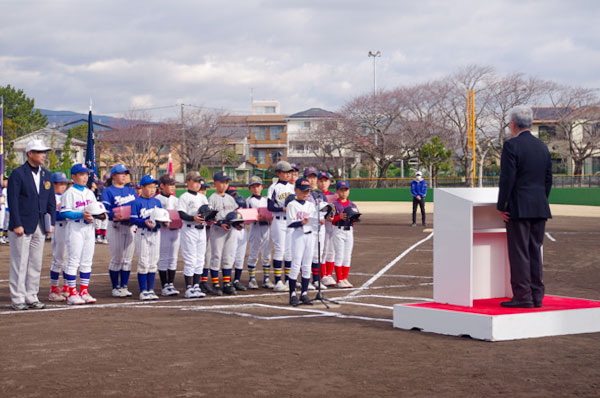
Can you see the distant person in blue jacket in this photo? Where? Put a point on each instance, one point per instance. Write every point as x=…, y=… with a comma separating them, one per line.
x=418, y=189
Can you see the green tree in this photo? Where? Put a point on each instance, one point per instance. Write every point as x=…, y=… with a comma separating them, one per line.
x=66, y=161
x=20, y=110
x=79, y=132
x=52, y=160
x=435, y=157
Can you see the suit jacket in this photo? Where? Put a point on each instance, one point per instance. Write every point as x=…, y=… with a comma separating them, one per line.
x=27, y=207
x=525, y=177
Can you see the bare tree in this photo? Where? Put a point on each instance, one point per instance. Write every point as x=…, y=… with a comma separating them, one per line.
x=331, y=147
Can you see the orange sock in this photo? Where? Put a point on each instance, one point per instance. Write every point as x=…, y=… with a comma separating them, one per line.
x=339, y=273
x=330, y=265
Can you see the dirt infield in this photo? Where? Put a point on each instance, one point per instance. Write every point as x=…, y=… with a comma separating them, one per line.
x=255, y=345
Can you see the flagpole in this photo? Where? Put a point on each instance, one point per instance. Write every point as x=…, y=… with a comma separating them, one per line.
x=90, y=150
x=2, y=136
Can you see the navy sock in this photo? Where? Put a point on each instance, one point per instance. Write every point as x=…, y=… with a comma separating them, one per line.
x=142, y=281
x=114, y=279
x=171, y=275
x=226, y=276
x=196, y=279
x=151, y=278
x=163, y=278
x=293, y=286
x=305, y=282
x=277, y=265
x=125, y=277
x=316, y=271
x=288, y=268
x=188, y=281
x=54, y=276
x=205, y=272
x=214, y=276
x=238, y=274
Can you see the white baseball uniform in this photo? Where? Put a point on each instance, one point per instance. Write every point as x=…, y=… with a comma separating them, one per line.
x=259, y=236
x=222, y=243
x=59, y=240
x=146, y=240
x=169, y=238
x=193, y=234
x=277, y=194
x=302, y=237
x=79, y=234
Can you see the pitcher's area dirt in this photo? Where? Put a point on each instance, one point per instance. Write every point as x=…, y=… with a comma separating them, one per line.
x=254, y=345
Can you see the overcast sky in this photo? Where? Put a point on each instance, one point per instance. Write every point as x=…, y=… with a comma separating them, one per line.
x=144, y=54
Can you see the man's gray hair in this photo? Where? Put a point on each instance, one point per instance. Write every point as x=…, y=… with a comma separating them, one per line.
x=522, y=115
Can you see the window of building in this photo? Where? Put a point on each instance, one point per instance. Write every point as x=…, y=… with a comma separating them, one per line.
x=276, y=156
x=306, y=125
x=269, y=109
x=596, y=164
x=547, y=133
x=275, y=132
x=260, y=156
x=260, y=132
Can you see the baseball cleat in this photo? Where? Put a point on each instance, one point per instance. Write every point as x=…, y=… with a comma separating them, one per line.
x=125, y=292
x=327, y=280
x=19, y=306
x=118, y=293
x=144, y=296
x=65, y=291
x=198, y=291
x=281, y=287
x=316, y=285
x=36, y=305
x=238, y=286
x=205, y=287
x=267, y=284
x=166, y=291
x=348, y=284
x=75, y=299
x=190, y=292
x=152, y=295
x=56, y=297
x=294, y=300
x=87, y=297
x=311, y=287
x=174, y=292
x=229, y=289
x=305, y=300
x=252, y=284
x=216, y=290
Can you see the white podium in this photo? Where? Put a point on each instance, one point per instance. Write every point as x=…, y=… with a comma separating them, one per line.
x=470, y=258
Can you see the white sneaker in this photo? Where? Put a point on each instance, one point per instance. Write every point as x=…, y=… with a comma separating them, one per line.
x=2, y=241
x=174, y=292
x=75, y=299
x=311, y=287
x=125, y=292
x=267, y=284
x=65, y=293
x=98, y=239
x=190, y=293
x=343, y=284
x=166, y=291
x=252, y=284
x=348, y=284
x=328, y=280
x=198, y=291
x=281, y=287
x=117, y=293
x=144, y=296
x=152, y=295
x=87, y=298
x=56, y=297
x=316, y=286
x=104, y=241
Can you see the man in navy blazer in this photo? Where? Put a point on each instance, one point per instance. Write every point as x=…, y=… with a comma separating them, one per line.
x=32, y=212
x=525, y=183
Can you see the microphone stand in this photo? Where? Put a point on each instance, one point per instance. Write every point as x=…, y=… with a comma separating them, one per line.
x=319, y=296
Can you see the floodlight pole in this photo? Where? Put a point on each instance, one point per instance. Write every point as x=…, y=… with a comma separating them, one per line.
x=374, y=55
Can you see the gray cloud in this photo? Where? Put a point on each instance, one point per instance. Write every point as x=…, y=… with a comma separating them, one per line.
x=304, y=53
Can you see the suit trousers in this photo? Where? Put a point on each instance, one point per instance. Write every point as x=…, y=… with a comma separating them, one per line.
x=525, y=238
x=25, y=266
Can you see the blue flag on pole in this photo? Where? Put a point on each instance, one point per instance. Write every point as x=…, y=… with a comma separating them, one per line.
x=1, y=136
x=90, y=150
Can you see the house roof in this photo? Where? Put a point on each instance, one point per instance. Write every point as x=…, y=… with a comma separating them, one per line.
x=313, y=113
x=45, y=134
x=550, y=113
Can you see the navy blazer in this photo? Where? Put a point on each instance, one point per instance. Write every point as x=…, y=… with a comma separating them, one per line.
x=27, y=207
x=525, y=177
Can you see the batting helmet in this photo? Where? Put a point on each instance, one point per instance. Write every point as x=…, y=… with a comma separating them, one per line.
x=208, y=213
x=241, y=202
x=235, y=219
x=96, y=209
x=327, y=208
x=160, y=215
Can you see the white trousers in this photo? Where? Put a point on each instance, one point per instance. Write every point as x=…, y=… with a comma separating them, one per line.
x=302, y=252
x=80, y=246
x=240, y=250
x=343, y=242
x=147, y=247
x=319, y=246
x=222, y=248
x=59, y=247
x=259, y=240
x=328, y=249
x=120, y=243
x=278, y=236
x=169, y=249
x=193, y=249
x=25, y=266
x=101, y=224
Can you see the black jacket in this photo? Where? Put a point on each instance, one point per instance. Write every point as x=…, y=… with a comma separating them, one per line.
x=27, y=207
x=525, y=177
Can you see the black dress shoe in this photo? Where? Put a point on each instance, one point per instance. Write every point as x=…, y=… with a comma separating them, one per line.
x=517, y=304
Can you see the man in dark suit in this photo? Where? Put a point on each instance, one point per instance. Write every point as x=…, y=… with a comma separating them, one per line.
x=525, y=182
x=32, y=212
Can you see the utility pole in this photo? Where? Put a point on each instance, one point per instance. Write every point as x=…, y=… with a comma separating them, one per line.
x=184, y=148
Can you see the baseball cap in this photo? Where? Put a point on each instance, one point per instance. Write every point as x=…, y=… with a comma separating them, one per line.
x=418, y=173
x=79, y=168
x=36, y=145
x=324, y=174
x=203, y=184
x=342, y=184
x=295, y=166
x=221, y=176
x=231, y=190
x=310, y=170
x=166, y=179
x=193, y=176
x=59, y=176
x=283, y=166
x=302, y=184
x=255, y=180
x=148, y=179
x=118, y=169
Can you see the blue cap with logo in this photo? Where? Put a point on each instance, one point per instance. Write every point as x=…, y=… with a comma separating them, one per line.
x=79, y=168
x=59, y=176
x=221, y=176
x=310, y=171
x=255, y=180
x=148, y=179
x=324, y=174
x=303, y=184
x=342, y=184
x=118, y=169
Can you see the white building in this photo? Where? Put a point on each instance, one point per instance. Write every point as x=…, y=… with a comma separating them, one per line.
x=52, y=138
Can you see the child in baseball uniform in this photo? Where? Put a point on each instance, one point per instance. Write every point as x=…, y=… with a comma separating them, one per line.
x=317, y=222
x=328, y=258
x=241, y=241
x=147, y=237
x=298, y=213
x=80, y=237
x=287, y=256
x=193, y=236
x=222, y=241
x=100, y=225
x=259, y=237
x=120, y=230
x=59, y=243
x=343, y=235
x=169, y=238
x=277, y=194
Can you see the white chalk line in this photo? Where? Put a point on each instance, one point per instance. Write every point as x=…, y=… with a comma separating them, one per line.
x=550, y=237
x=388, y=266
